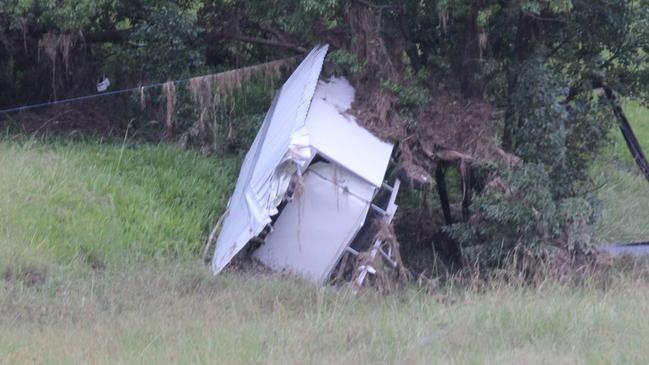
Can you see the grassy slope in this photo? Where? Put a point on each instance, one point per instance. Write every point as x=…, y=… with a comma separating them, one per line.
x=92, y=204
x=624, y=192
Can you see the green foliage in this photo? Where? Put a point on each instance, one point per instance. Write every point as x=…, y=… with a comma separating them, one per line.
x=346, y=63
x=290, y=16
x=519, y=215
x=53, y=15
x=538, y=109
x=565, y=137
x=412, y=93
x=166, y=45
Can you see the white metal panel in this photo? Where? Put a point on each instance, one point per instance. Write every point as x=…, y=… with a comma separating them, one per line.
x=312, y=231
x=282, y=138
x=335, y=134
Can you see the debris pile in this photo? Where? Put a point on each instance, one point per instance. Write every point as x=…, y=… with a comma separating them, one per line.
x=311, y=189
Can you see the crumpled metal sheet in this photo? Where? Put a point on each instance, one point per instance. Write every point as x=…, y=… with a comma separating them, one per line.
x=307, y=117
x=315, y=227
x=281, y=138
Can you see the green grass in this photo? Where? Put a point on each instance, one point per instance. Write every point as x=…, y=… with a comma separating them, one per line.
x=84, y=204
x=624, y=192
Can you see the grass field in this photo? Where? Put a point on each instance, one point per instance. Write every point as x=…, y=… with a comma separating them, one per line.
x=179, y=315
x=98, y=248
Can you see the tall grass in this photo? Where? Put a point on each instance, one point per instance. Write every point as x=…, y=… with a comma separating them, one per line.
x=178, y=315
x=97, y=204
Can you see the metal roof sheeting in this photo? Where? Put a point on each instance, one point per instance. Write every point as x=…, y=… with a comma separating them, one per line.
x=282, y=137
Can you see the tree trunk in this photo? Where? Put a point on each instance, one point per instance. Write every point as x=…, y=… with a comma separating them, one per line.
x=440, y=181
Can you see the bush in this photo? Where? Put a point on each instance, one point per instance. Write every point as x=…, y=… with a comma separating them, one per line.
x=518, y=214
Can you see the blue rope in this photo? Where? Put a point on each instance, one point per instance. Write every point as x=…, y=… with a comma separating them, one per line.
x=87, y=97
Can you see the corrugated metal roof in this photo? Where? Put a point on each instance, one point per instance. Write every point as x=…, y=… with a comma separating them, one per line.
x=282, y=137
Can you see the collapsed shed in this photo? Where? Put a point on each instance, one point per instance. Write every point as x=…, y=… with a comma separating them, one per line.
x=308, y=182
